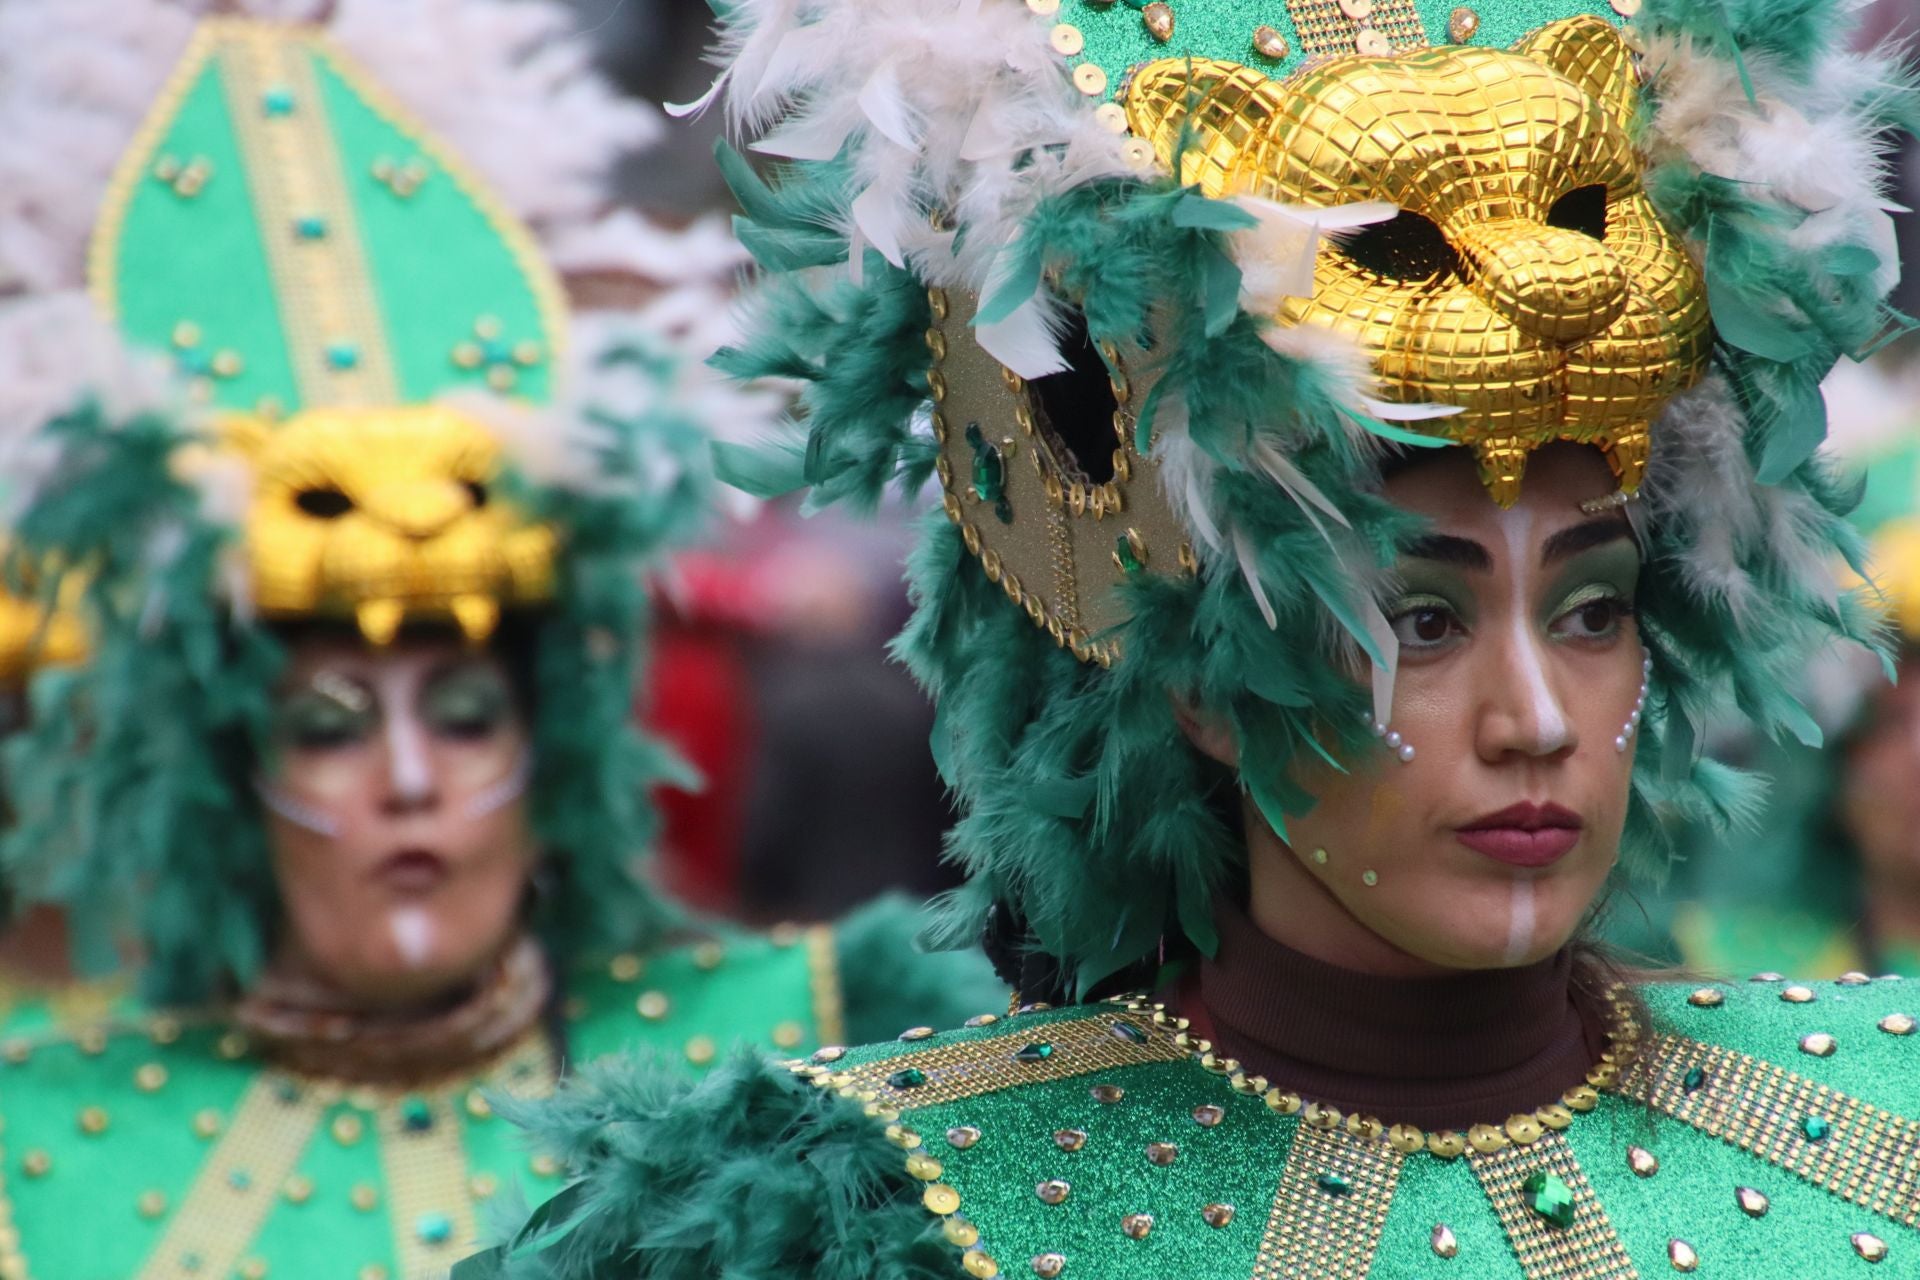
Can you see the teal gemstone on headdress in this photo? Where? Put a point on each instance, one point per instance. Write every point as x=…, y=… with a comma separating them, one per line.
x=1816, y=1128
x=1038, y=1051
x=1333, y=1184
x=911, y=1078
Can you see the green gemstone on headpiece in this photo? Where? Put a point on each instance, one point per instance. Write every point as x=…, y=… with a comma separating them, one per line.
x=1694, y=1078
x=1123, y=552
x=1333, y=1184
x=1816, y=1128
x=1549, y=1197
x=911, y=1078
x=277, y=101
x=1127, y=1031
x=310, y=227
x=433, y=1228
x=1038, y=1051
x=416, y=1114
x=342, y=355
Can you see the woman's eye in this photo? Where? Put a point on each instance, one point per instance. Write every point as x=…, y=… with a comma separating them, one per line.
x=313, y=722
x=1425, y=625
x=1597, y=618
x=468, y=706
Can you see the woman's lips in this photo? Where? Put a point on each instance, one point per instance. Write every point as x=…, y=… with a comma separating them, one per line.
x=412, y=872
x=1524, y=834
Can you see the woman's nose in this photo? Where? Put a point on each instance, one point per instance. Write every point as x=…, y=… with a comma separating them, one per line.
x=413, y=784
x=1523, y=712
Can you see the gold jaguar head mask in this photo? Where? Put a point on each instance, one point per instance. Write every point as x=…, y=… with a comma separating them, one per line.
x=1526, y=279
x=387, y=515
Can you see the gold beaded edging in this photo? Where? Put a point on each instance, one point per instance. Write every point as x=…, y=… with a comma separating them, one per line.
x=1850, y=1148
x=971, y=1068
x=1313, y=1230
x=1587, y=1250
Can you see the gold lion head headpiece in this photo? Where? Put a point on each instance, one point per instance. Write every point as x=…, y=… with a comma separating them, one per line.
x=322, y=269
x=1526, y=279
x=1520, y=280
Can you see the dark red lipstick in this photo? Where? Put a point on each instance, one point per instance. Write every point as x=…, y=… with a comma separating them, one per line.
x=1524, y=834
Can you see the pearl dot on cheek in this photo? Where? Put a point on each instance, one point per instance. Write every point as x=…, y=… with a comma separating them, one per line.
x=1395, y=743
x=1369, y=878
x=1639, y=705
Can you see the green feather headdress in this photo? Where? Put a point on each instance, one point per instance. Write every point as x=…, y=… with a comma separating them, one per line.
x=939, y=154
x=132, y=789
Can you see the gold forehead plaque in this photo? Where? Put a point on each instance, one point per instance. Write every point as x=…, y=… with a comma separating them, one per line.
x=1057, y=502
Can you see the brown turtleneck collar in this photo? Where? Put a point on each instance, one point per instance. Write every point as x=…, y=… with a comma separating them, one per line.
x=1442, y=1052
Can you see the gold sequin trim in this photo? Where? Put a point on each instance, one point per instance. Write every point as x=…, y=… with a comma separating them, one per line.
x=1587, y=1250
x=823, y=977
x=1330, y=1207
x=1866, y=1156
x=972, y=1068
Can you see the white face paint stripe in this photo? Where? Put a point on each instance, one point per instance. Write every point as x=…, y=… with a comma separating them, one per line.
x=1549, y=719
x=504, y=792
x=409, y=764
x=412, y=929
x=1520, y=922
x=300, y=815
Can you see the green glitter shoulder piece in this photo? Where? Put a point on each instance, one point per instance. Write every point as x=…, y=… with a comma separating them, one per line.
x=1125, y=1152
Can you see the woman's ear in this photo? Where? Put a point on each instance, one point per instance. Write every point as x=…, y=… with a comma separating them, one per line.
x=1208, y=731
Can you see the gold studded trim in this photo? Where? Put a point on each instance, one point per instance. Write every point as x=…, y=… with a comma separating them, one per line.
x=324, y=288
x=971, y=1068
x=1329, y=28
x=1869, y=1157
x=425, y=1171
x=823, y=980
x=1587, y=1250
x=239, y=1182
x=1312, y=1231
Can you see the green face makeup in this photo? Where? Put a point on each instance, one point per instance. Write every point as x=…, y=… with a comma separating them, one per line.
x=1605, y=574
x=313, y=719
x=467, y=703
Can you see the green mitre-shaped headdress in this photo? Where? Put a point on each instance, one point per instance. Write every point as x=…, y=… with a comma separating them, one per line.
x=1152, y=288
x=368, y=339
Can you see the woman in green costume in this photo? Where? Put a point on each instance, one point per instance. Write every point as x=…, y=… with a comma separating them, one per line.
x=1374, y=437
x=351, y=760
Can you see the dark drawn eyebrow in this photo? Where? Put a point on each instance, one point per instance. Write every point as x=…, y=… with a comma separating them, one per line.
x=1574, y=539
x=1447, y=549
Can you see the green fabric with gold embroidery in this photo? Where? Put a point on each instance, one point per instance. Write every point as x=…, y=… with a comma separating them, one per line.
x=999, y=1124
x=276, y=195
x=683, y=1006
